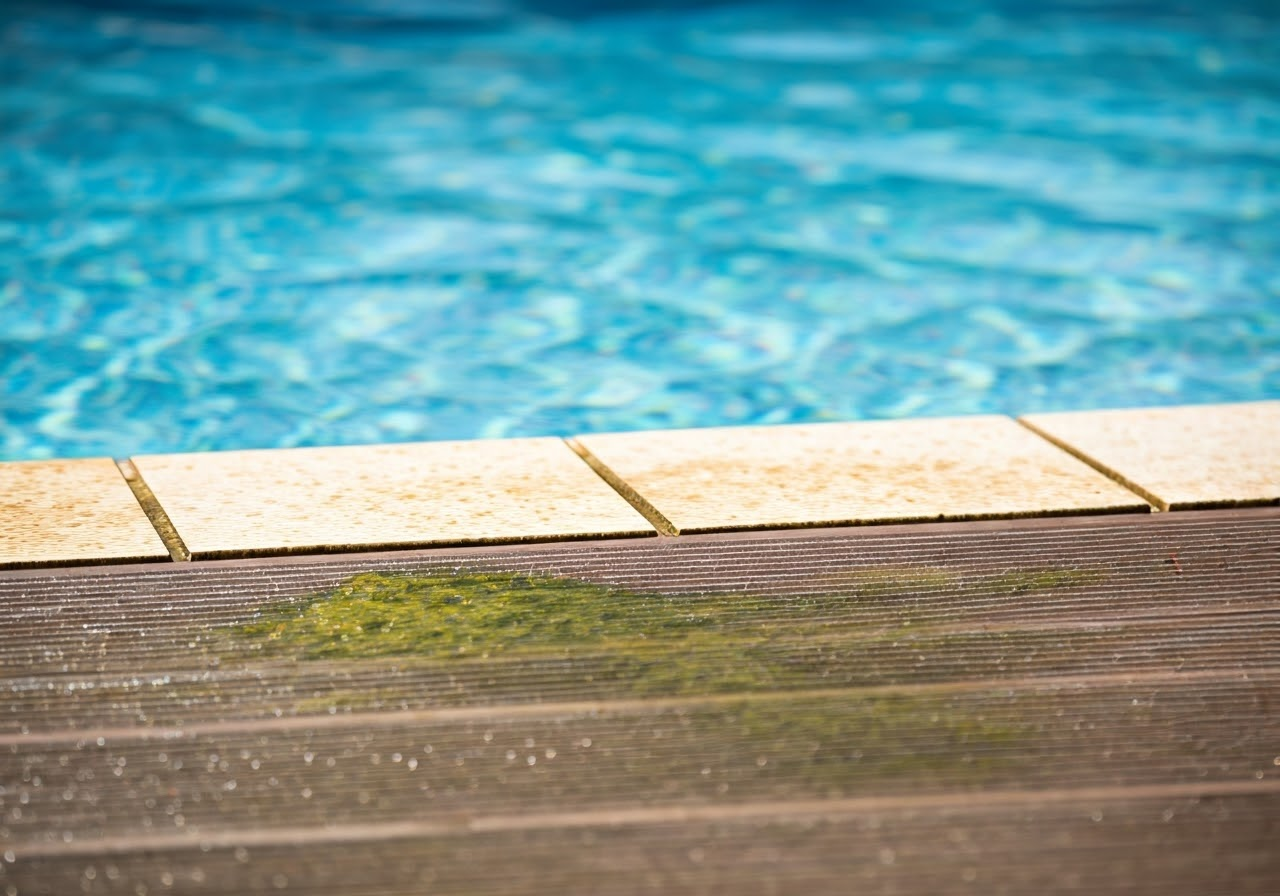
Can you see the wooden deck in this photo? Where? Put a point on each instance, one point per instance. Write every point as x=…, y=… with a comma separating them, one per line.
x=1086, y=704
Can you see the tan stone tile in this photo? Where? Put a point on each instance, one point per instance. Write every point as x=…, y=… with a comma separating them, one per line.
x=1180, y=457
x=848, y=473
x=275, y=501
x=71, y=511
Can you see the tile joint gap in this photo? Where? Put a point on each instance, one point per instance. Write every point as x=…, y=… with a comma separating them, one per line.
x=150, y=504
x=1156, y=503
x=619, y=485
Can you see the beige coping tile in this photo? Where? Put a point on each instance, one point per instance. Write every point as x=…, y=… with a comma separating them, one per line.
x=849, y=473
x=237, y=503
x=71, y=511
x=1219, y=455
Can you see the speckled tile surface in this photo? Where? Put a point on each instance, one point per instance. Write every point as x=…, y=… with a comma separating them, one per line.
x=71, y=511
x=1181, y=457
x=276, y=501
x=849, y=473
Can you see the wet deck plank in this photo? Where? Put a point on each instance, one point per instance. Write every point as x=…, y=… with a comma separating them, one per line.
x=1108, y=841
x=954, y=708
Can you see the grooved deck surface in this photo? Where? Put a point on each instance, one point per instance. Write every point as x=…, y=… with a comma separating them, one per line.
x=1181, y=457
x=1069, y=705
x=71, y=511
x=721, y=479
x=241, y=503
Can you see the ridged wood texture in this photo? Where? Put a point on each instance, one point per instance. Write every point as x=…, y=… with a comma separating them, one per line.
x=1080, y=705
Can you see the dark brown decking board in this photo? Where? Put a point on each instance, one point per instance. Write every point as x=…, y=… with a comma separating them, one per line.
x=745, y=750
x=940, y=715
x=1099, y=842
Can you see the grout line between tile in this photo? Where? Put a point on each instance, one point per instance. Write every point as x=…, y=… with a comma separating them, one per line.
x=155, y=513
x=1156, y=503
x=619, y=485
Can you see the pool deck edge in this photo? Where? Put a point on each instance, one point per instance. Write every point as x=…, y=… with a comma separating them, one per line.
x=673, y=484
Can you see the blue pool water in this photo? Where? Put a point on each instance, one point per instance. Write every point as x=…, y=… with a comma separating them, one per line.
x=269, y=223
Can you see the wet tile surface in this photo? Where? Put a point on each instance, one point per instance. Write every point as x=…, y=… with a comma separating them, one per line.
x=262, y=502
x=71, y=511
x=848, y=473
x=1181, y=457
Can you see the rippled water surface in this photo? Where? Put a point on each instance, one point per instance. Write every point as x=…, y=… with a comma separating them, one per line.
x=255, y=227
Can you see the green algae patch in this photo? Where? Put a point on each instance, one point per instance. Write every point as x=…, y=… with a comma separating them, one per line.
x=878, y=582
x=1045, y=579
x=922, y=737
x=641, y=642
x=471, y=614
x=894, y=584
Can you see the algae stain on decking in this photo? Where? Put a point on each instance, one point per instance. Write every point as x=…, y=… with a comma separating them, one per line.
x=733, y=645
x=654, y=643
x=474, y=615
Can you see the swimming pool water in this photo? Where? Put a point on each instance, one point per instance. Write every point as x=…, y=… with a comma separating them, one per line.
x=278, y=224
